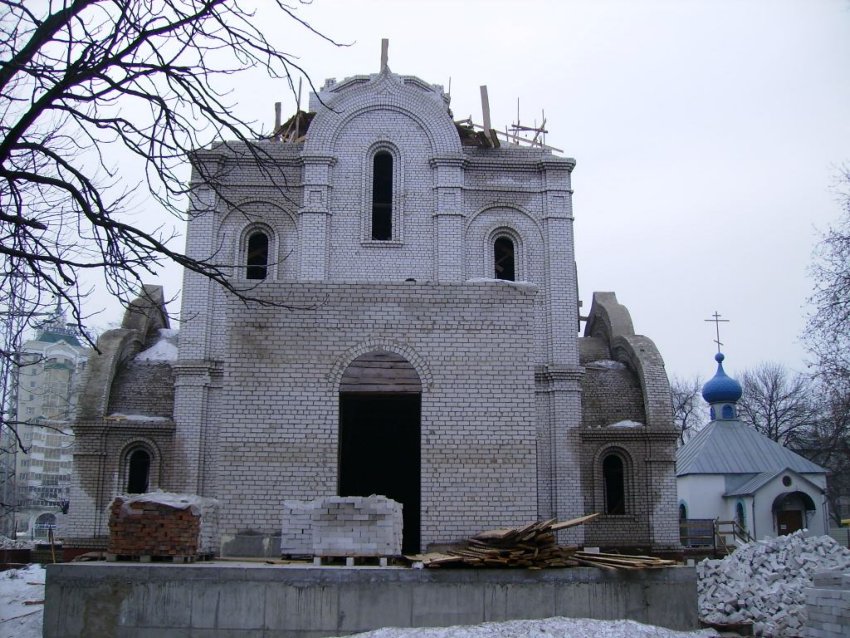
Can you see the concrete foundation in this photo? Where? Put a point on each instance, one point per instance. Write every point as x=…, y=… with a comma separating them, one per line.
x=215, y=600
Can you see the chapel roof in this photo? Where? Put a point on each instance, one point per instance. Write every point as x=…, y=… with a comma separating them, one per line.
x=733, y=447
x=757, y=482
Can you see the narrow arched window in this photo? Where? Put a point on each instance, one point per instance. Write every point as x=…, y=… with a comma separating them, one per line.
x=382, y=196
x=683, y=512
x=257, y=261
x=615, y=486
x=138, y=473
x=503, y=259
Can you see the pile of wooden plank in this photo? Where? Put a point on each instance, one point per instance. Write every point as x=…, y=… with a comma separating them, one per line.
x=533, y=546
x=620, y=561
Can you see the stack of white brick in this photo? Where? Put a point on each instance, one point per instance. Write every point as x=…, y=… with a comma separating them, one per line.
x=342, y=526
x=828, y=605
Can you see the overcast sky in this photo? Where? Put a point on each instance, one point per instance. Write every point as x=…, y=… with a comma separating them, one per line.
x=708, y=137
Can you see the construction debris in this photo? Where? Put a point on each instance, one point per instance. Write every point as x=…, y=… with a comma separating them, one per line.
x=533, y=546
x=764, y=582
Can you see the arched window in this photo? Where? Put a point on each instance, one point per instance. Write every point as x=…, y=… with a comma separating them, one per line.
x=683, y=512
x=257, y=255
x=613, y=475
x=138, y=472
x=382, y=196
x=43, y=524
x=503, y=259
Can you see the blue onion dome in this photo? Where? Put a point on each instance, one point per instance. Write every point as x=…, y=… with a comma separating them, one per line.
x=722, y=388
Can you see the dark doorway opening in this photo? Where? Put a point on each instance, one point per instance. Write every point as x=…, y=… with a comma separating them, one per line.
x=379, y=453
x=138, y=472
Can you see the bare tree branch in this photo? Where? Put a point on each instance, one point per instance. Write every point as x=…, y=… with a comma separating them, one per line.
x=149, y=76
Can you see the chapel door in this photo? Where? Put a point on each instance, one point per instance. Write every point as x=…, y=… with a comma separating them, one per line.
x=789, y=521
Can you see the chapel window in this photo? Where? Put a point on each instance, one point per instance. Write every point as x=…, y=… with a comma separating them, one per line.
x=503, y=259
x=138, y=474
x=382, y=196
x=613, y=475
x=257, y=260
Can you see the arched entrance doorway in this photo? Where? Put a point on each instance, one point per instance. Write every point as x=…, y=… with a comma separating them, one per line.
x=379, y=435
x=790, y=510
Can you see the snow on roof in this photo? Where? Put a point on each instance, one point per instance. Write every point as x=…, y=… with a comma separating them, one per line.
x=505, y=282
x=135, y=417
x=606, y=364
x=625, y=424
x=169, y=499
x=733, y=447
x=165, y=349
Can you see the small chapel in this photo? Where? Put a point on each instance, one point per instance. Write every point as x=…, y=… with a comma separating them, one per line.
x=414, y=332
x=730, y=472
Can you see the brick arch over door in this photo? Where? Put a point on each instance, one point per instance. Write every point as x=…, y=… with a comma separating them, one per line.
x=417, y=361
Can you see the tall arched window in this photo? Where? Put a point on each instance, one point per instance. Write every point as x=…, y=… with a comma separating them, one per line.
x=138, y=473
x=613, y=475
x=740, y=517
x=503, y=259
x=257, y=255
x=382, y=196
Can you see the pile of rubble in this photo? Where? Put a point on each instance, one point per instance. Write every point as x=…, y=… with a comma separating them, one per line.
x=764, y=582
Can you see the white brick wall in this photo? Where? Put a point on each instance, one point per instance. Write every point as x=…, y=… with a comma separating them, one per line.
x=256, y=406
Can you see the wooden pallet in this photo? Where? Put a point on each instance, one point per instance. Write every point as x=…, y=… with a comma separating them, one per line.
x=351, y=561
x=613, y=562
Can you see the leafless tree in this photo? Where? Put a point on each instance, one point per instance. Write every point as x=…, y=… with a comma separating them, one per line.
x=827, y=332
x=148, y=76
x=827, y=443
x=827, y=337
x=689, y=409
x=778, y=403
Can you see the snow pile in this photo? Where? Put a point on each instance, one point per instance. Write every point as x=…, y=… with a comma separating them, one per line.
x=163, y=350
x=18, y=587
x=764, y=582
x=546, y=628
x=11, y=543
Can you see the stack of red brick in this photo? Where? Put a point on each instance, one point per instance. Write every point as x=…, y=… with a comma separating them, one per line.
x=147, y=528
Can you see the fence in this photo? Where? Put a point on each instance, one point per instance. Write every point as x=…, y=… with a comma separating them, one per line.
x=842, y=535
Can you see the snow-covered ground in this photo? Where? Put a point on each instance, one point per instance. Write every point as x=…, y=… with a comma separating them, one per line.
x=17, y=588
x=546, y=628
x=19, y=620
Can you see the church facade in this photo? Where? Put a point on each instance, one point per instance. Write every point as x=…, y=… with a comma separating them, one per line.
x=414, y=333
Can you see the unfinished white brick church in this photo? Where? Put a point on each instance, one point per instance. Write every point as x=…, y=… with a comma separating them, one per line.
x=420, y=340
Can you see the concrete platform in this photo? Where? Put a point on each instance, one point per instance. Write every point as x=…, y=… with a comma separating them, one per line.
x=228, y=600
